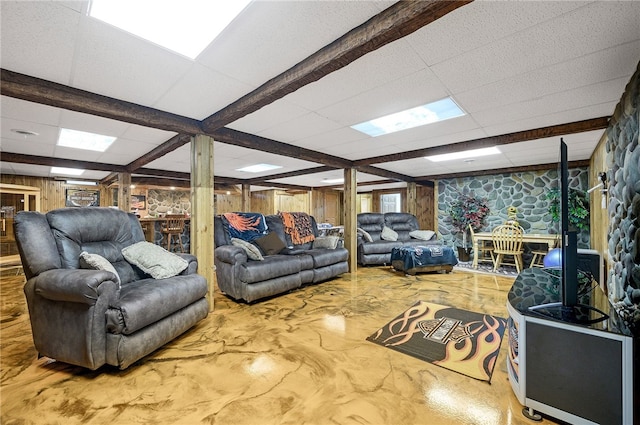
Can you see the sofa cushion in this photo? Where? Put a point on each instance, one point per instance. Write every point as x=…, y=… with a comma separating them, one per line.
x=388, y=234
x=146, y=301
x=97, y=262
x=327, y=242
x=252, y=251
x=424, y=235
x=326, y=257
x=154, y=260
x=270, y=244
x=272, y=267
x=379, y=247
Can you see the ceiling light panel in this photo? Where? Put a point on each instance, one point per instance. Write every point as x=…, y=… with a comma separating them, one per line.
x=83, y=140
x=186, y=27
x=430, y=113
x=259, y=168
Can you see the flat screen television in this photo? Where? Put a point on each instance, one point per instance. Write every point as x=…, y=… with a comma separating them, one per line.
x=568, y=309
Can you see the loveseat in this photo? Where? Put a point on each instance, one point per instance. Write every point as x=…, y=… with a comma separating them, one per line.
x=88, y=304
x=284, y=265
x=374, y=249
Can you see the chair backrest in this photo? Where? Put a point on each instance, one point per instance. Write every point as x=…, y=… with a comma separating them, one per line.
x=55, y=240
x=173, y=223
x=507, y=239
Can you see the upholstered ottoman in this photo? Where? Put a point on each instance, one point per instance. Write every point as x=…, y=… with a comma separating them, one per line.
x=432, y=258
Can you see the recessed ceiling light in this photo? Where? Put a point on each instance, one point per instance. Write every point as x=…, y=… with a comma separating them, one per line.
x=66, y=171
x=258, y=168
x=440, y=110
x=83, y=140
x=25, y=133
x=185, y=27
x=341, y=180
x=82, y=182
x=464, y=154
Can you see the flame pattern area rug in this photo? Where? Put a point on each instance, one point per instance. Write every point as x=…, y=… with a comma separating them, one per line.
x=458, y=340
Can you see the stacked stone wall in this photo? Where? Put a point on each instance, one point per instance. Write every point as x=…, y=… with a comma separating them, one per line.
x=526, y=191
x=623, y=161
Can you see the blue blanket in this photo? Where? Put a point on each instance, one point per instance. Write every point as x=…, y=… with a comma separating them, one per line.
x=245, y=226
x=420, y=256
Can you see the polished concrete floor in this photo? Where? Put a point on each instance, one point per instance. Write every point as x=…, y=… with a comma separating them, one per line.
x=300, y=358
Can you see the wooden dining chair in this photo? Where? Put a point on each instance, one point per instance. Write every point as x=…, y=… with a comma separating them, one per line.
x=507, y=242
x=485, y=248
x=172, y=227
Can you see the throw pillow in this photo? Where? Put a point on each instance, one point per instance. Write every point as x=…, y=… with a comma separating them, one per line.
x=424, y=235
x=270, y=244
x=252, y=251
x=154, y=260
x=365, y=235
x=388, y=234
x=97, y=262
x=327, y=242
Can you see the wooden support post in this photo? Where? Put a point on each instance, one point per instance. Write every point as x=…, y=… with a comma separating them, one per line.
x=202, y=208
x=246, y=197
x=124, y=191
x=350, y=224
x=412, y=199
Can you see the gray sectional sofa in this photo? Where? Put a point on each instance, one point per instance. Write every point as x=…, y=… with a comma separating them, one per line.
x=242, y=278
x=377, y=251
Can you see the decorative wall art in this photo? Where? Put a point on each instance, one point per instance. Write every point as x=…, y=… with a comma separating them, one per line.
x=82, y=198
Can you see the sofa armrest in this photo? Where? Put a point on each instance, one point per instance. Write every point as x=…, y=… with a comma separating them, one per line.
x=230, y=254
x=192, y=267
x=74, y=285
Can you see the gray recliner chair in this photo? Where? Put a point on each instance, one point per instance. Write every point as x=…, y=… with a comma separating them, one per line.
x=83, y=316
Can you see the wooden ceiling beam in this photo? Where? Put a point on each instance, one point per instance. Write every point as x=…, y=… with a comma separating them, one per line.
x=486, y=142
x=393, y=23
x=250, y=141
x=385, y=173
x=158, y=152
x=45, y=92
x=20, y=158
x=303, y=172
x=508, y=170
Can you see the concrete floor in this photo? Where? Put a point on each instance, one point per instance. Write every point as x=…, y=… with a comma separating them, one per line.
x=300, y=358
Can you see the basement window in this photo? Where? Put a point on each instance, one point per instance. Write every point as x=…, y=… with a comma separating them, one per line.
x=186, y=27
x=430, y=113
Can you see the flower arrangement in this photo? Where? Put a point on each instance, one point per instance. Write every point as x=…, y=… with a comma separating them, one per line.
x=467, y=210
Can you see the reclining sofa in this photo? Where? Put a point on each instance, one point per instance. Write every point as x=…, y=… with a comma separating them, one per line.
x=294, y=265
x=377, y=251
x=115, y=314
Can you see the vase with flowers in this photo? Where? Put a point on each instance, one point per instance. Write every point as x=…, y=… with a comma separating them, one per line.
x=467, y=209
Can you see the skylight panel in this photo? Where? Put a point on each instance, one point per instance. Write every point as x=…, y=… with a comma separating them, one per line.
x=464, y=154
x=83, y=140
x=66, y=171
x=258, y=168
x=426, y=114
x=186, y=27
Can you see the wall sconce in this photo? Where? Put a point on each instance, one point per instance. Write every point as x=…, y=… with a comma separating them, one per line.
x=603, y=188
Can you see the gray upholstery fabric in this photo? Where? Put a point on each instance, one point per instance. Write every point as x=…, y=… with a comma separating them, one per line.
x=246, y=280
x=379, y=251
x=69, y=307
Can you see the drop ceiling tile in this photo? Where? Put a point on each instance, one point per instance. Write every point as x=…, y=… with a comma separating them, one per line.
x=272, y=115
x=207, y=92
x=117, y=64
x=375, y=69
x=38, y=39
x=245, y=50
x=28, y=146
x=400, y=94
x=307, y=125
x=92, y=123
x=28, y=111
